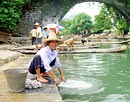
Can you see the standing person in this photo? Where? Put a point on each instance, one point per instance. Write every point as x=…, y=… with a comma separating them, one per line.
x=83, y=40
x=39, y=35
x=33, y=34
x=45, y=32
x=45, y=58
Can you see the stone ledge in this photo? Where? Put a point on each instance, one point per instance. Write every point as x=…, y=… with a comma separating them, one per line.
x=8, y=56
x=48, y=93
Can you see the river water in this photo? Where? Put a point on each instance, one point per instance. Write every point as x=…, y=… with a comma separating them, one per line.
x=92, y=77
x=106, y=74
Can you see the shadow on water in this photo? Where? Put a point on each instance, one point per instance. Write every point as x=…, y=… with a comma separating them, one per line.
x=109, y=74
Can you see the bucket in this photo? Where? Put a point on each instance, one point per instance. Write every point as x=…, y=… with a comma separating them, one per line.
x=16, y=79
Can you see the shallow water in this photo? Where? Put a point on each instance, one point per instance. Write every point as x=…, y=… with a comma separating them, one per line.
x=108, y=73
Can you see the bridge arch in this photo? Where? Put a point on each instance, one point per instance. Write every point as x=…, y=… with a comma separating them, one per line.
x=51, y=11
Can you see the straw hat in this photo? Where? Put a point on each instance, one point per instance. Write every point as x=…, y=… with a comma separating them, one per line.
x=36, y=24
x=52, y=37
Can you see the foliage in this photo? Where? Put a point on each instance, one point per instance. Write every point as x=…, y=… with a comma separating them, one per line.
x=122, y=27
x=119, y=21
x=110, y=18
x=102, y=21
x=80, y=22
x=10, y=14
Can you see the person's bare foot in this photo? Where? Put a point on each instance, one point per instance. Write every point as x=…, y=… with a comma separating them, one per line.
x=41, y=79
x=45, y=74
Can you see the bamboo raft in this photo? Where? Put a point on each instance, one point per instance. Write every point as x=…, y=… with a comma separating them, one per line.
x=122, y=42
x=107, y=50
x=27, y=50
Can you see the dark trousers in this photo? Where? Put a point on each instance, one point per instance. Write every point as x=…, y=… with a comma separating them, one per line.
x=36, y=63
x=33, y=40
x=83, y=41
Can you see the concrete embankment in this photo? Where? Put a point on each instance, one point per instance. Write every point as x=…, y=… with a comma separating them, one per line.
x=11, y=59
x=48, y=93
x=7, y=55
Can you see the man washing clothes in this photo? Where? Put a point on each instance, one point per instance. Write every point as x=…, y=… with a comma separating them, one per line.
x=45, y=58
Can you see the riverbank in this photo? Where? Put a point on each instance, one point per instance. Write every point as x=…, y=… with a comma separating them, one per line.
x=48, y=93
x=12, y=60
x=7, y=55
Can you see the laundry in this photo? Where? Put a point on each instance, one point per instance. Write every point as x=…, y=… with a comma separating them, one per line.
x=32, y=84
x=75, y=84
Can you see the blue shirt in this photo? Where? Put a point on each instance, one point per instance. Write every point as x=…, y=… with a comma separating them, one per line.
x=45, y=34
x=47, y=56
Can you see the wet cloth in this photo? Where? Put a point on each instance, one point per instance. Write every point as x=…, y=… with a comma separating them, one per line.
x=34, y=84
x=36, y=62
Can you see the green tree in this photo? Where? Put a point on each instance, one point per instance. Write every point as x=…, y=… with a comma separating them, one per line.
x=122, y=26
x=67, y=24
x=80, y=22
x=110, y=18
x=119, y=21
x=10, y=14
x=103, y=21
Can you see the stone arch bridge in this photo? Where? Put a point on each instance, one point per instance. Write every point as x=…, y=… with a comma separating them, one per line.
x=51, y=11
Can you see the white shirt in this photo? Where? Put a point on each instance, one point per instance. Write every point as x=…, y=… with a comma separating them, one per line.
x=39, y=30
x=47, y=56
x=33, y=32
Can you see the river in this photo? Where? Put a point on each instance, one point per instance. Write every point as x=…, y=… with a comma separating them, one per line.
x=108, y=74
x=93, y=77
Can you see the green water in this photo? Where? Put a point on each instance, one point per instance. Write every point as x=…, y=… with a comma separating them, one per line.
x=109, y=74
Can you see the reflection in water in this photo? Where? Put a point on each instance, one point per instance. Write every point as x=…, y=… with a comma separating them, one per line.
x=109, y=71
x=115, y=98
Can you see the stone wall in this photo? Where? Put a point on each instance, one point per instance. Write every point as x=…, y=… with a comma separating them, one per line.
x=44, y=13
x=28, y=19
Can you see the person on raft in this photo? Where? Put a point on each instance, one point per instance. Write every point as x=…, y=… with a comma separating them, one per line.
x=45, y=58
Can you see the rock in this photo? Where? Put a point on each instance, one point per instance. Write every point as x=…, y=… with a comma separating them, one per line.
x=7, y=56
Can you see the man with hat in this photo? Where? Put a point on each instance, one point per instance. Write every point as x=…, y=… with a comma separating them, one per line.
x=45, y=58
x=39, y=34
